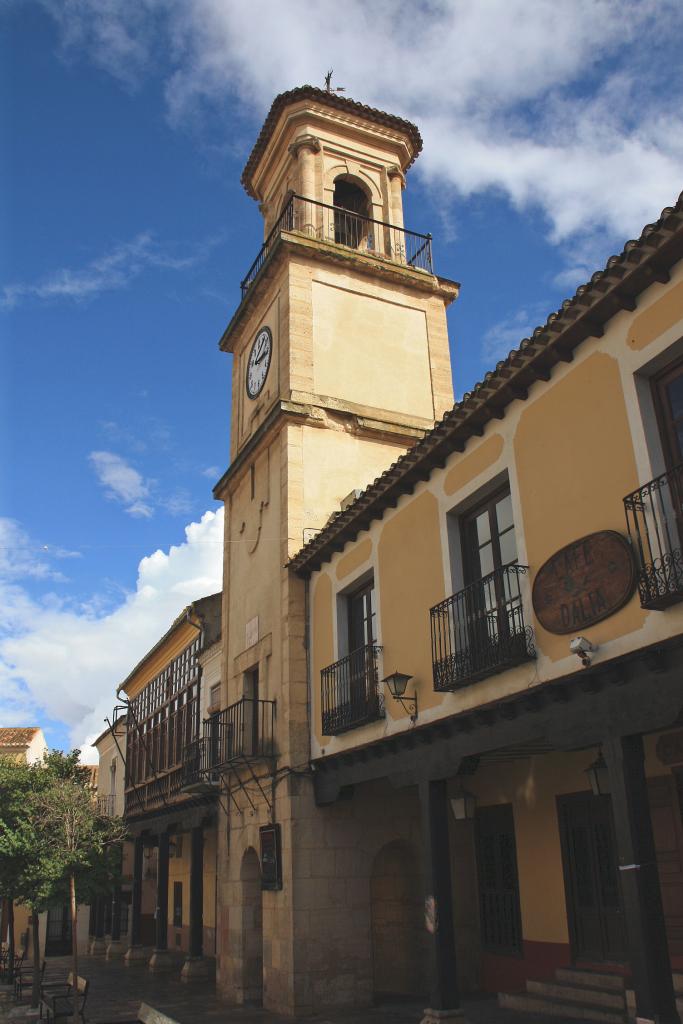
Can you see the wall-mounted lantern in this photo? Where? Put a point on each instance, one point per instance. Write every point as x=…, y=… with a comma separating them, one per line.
x=598, y=776
x=396, y=684
x=464, y=805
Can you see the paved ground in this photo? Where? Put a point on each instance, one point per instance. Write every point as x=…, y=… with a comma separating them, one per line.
x=117, y=991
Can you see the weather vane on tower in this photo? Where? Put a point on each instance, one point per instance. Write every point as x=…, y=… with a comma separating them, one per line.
x=328, y=83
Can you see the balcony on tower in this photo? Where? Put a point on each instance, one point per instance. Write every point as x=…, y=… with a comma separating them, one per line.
x=346, y=223
x=330, y=170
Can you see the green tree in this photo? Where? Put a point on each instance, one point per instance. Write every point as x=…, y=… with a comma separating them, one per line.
x=53, y=843
x=28, y=870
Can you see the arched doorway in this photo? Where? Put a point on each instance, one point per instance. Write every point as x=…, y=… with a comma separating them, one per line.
x=252, y=929
x=352, y=210
x=398, y=935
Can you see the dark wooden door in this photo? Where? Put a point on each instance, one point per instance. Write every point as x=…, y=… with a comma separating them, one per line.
x=58, y=934
x=667, y=828
x=501, y=928
x=594, y=908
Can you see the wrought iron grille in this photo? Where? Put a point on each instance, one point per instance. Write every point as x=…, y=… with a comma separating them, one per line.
x=654, y=518
x=351, y=230
x=242, y=732
x=351, y=694
x=481, y=630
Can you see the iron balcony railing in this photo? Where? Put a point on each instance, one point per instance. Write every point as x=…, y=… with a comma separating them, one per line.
x=481, y=630
x=105, y=805
x=192, y=762
x=654, y=518
x=242, y=732
x=343, y=227
x=351, y=694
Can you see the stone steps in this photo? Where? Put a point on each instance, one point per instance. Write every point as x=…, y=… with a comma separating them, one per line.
x=533, y=1003
x=598, y=997
x=591, y=979
x=573, y=995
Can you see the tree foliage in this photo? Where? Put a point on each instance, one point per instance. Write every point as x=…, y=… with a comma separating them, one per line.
x=53, y=841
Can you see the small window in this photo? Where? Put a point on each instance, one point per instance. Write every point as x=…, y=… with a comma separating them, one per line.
x=361, y=617
x=177, y=904
x=251, y=711
x=215, y=696
x=667, y=391
x=488, y=536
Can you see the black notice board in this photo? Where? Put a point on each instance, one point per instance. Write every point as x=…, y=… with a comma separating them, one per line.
x=271, y=857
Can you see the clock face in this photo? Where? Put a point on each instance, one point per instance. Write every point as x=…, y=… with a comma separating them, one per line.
x=259, y=362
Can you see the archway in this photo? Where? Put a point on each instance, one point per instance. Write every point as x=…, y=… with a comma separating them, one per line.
x=351, y=214
x=252, y=929
x=397, y=912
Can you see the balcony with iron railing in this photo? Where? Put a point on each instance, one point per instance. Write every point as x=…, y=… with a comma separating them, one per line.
x=654, y=519
x=351, y=694
x=347, y=229
x=481, y=630
x=106, y=805
x=242, y=732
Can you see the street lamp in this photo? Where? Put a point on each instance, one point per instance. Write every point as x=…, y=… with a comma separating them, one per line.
x=397, y=683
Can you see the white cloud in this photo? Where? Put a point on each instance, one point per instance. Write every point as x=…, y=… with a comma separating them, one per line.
x=66, y=661
x=113, y=270
x=211, y=472
x=21, y=556
x=568, y=108
x=122, y=483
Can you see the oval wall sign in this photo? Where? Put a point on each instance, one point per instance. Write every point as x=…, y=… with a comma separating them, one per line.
x=585, y=582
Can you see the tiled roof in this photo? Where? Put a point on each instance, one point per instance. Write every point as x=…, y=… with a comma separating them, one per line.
x=331, y=99
x=642, y=262
x=17, y=737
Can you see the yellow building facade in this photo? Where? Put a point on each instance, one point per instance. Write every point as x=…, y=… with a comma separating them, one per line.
x=520, y=568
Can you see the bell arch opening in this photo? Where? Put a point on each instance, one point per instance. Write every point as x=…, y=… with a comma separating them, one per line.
x=352, y=213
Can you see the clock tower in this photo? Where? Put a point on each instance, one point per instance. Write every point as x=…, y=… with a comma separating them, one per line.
x=340, y=362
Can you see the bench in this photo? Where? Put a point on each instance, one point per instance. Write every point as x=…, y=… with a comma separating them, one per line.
x=60, y=1000
x=23, y=978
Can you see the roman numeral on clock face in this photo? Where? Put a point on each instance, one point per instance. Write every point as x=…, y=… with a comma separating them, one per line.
x=259, y=361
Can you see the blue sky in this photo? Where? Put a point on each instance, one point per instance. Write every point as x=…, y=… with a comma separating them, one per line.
x=552, y=134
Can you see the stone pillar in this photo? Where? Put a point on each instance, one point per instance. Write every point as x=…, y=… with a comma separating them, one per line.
x=645, y=928
x=444, y=999
x=115, y=947
x=397, y=183
x=161, y=958
x=107, y=900
x=136, y=951
x=304, y=149
x=396, y=247
x=195, y=966
x=98, y=944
